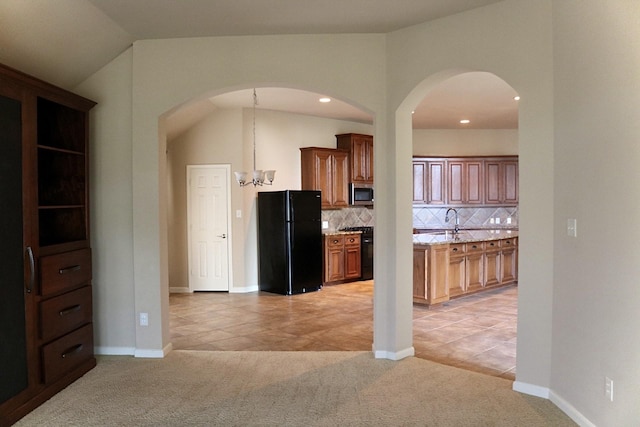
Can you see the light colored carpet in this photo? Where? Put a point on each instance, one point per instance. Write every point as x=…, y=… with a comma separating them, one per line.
x=200, y=388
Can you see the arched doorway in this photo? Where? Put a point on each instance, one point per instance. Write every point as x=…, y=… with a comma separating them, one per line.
x=220, y=132
x=476, y=329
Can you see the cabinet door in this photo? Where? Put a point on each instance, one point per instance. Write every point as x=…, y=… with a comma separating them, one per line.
x=511, y=182
x=334, y=259
x=353, y=257
x=457, y=280
x=420, y=181
x=324, y=182
x=474, y=266
x=509, y=260
x=436, y=189
x=492, y=270
x=465, y=182
x=501, y=182
x=340, y=179
x=438, y=276
x=359, y=161
x=14, y=371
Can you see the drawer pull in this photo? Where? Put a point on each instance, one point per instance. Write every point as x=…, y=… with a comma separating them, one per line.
x=474, y=247
x=455, y=249
x=352, y=240
x=32, y=269
x=70, y=269
x=492, y=244
x=508, y=242
x=69, y=310
x=335, y=241
x=72, y=350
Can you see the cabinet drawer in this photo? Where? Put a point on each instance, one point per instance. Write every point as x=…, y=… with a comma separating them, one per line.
x=64, y=271
x=492, y=245
x=505, y=243
x=67, y=352
x=456, y=249
x=333, y=241
x=475, y=247
x=65, y=313
x=352, y=240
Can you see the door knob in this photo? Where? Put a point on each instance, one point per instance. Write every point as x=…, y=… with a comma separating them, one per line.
x=224, y=236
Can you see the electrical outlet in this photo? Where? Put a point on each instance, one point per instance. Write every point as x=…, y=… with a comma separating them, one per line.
x=608, y=388
x=144, y=319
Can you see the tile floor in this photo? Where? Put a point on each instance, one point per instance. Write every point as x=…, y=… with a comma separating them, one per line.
x=477, y=332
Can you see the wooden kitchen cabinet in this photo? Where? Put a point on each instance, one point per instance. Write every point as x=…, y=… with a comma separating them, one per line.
x=492, y=263
x=464, y=182
x=429, y=181
x=46, y=299
x=326, y=170
x=430, y=274
x=509, y=260
x=360, y=149
x=474, y=267
x=342, y=257
x=457, y=266
x=501, y=181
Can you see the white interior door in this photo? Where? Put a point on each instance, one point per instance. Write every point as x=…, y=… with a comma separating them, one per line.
x=208, y=227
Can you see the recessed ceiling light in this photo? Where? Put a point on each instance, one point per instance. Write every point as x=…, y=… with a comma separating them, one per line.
x=325, y=99
x=516, y=98
x=465, y=121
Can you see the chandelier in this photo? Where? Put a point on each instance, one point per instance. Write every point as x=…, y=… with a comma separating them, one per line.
x=260, y=177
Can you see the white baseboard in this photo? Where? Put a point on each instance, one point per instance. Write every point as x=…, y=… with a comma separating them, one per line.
x=531, y=389
x=570, y=410
x=397, y=355
x=152, y=353
x=179, y=290
x=244, y=290
x=114, y=351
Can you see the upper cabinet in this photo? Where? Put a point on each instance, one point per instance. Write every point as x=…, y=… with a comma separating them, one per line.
x=429, y=185
x=326, y=170
x=360, y=149
x=467, y=181
x=501, y=183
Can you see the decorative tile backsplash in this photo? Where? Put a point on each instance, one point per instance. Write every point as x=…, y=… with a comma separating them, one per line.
x=428, y=217
x=348, y=217
x=481, y=217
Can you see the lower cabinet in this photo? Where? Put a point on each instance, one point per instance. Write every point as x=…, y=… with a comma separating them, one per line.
x=445, y=271
x=430, y=274
x=342, y=257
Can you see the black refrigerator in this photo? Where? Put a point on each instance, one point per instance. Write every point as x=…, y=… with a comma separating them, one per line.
x=289, y=241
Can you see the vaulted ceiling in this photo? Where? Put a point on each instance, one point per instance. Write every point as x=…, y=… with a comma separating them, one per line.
x=66, y=41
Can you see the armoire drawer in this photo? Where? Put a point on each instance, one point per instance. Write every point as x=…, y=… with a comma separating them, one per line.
x=65, y=313
x=64, y=271
x=66, y=353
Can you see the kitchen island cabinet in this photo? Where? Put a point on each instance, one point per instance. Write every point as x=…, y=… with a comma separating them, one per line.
x=448, y=265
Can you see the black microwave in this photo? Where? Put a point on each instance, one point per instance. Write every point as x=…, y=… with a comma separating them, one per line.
x=360, y=194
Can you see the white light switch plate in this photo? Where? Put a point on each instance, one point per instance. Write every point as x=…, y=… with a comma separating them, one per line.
x=572, y=227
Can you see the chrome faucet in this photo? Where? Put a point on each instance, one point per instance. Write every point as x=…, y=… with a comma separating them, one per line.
x=456, y=228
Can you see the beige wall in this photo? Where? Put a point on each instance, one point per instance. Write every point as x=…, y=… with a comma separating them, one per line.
x=468, y=142
x=596, y=294
x=218, y=139
x=577, y=298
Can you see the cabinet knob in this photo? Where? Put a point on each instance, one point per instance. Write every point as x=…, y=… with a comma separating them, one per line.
x=335, y=241
x=474, y=247
x=455, y=249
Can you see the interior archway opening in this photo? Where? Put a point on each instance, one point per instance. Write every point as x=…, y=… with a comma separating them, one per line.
x=465, y=174
x=219, y=129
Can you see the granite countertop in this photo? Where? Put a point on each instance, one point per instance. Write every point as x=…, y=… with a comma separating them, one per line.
x=436, y=237
x=338, y=233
